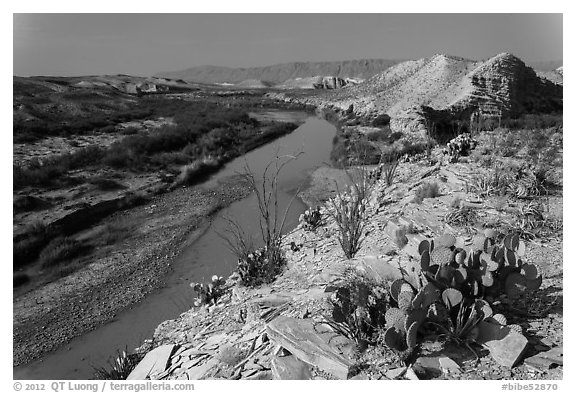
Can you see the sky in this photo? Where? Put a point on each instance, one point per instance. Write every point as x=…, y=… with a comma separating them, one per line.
x=144, y=44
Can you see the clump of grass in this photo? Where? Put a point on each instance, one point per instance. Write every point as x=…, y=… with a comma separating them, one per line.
x=493, y=182
x=348, y=209
x=426, y=190
x=196, y=170
x=113, y=232
x=400, y=239
x=59, y=250
x=389, y=170
x=461, y=216
x=120, y=367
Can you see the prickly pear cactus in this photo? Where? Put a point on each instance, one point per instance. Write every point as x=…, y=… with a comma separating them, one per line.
x=485, y=267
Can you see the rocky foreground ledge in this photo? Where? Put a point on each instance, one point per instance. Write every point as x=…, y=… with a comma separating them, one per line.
x=276, y=331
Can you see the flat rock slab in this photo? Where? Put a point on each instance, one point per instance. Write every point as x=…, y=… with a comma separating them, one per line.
x=546, y=360
x=505, y=345
x=198, y=372
x=299, y=337
x=290, y=368
x=154, y=362
x=437, y=365
x=379, y=270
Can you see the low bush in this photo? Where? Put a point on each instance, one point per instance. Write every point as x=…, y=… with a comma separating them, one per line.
x=348, y=209
x=197, y=170
x=261, y=265
x=426, y=190
x=60, y=250
x=119, y=368
x=358, y=310
x=381, y=120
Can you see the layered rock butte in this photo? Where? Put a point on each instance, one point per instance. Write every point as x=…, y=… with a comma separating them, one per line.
x=412, y=91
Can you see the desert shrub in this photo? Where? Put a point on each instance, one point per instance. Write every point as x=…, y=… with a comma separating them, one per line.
x=113, y=232
x=358, y=310
x=197, y=170
x=426, y=190
x=207, y=294
x=311, y=218
x=261, y=265
x=461, y=216
x=534, y=121
x=120, y=367
x=28, y=203
x=381, y=120
x=52, y=169
x=60, y=250
x=400, y=239
x=348, y=209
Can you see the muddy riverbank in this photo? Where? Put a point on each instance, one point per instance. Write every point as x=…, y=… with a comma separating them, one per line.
x=48, y=317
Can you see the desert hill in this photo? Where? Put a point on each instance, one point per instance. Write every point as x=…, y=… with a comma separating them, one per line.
x=275, y=74
x=500, y=86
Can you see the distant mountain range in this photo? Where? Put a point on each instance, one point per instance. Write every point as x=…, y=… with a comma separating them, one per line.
x=280, y=73
x=310, y=75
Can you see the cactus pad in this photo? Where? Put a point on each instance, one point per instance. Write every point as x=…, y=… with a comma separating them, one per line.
x=487, y=263
x=516, y=285
x=425, y=260
x=487, y=279
x=511, y=258
x=441, y=255
x=423, y=246
x=499, y=318
x=460, y=275
x=484, y=308
x=445, y=240
x=533, y=285
x=405, y=300
x=395, y=318
x=451, y=297
x=394, y=339
x=414, y=316
x=411, y=335
x=521, y=251
x=395, y=288
x=531, y=271
x=490, y=233
x=461, y=257
x=478, y=242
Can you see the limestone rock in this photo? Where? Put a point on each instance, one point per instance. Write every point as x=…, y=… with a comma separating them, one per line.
x=290, y=368
x=300, y=338
x=154, y=362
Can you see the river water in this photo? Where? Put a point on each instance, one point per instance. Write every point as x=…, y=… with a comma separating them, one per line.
x=205, y=257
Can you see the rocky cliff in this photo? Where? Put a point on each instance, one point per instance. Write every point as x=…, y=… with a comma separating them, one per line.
x=499, y=87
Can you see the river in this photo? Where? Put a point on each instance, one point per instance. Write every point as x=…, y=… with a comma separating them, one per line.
x=205, y=257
